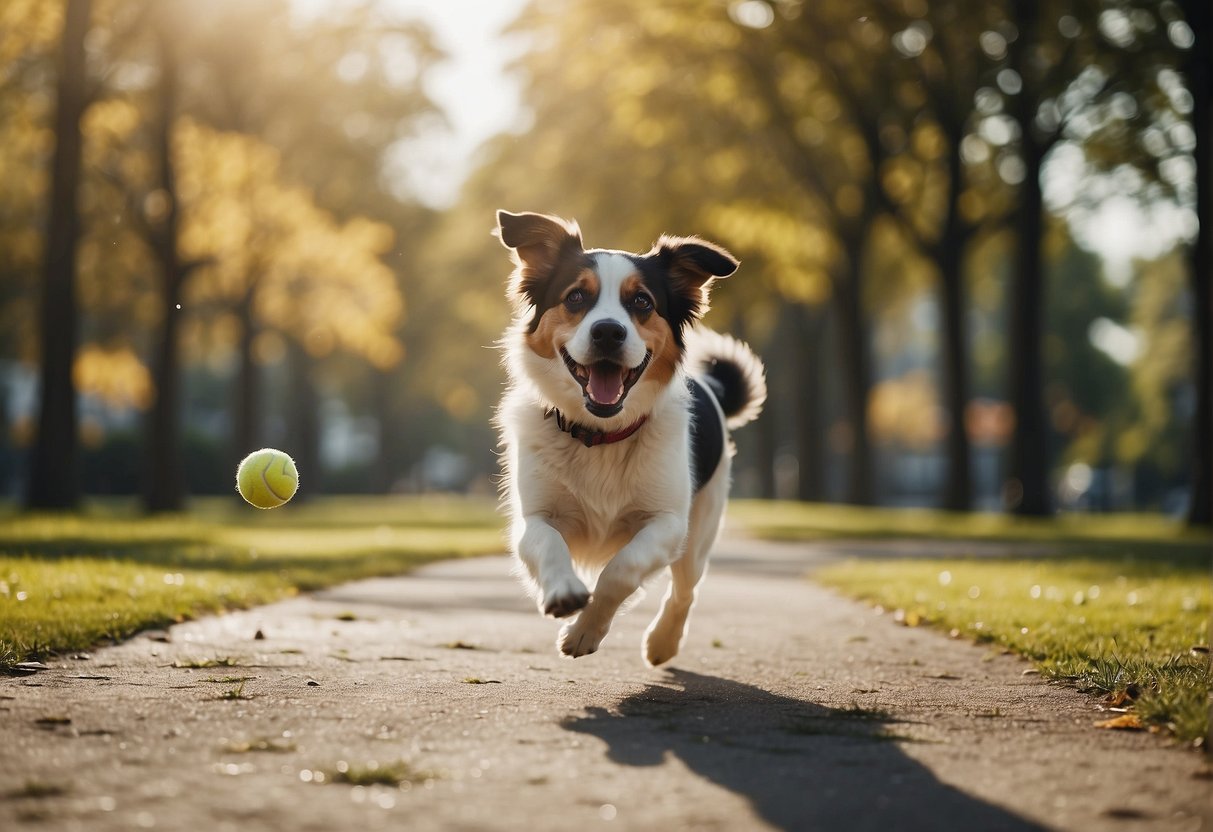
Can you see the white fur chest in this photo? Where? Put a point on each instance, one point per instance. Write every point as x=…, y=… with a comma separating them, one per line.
x=596, y=497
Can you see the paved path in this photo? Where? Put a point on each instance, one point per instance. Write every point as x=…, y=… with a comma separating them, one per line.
x=773, y=717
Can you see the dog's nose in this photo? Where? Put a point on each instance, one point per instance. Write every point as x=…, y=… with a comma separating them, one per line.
x=607, y=334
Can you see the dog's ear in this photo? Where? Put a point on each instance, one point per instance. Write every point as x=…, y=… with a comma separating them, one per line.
x=537, y=240
x=693, y=261
x=691, y=265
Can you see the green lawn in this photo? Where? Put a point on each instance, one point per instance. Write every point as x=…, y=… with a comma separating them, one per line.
x=1121, y=607
x=786, y=520
x=70, y=582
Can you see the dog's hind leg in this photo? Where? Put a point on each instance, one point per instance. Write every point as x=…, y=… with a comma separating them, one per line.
x=665, y=634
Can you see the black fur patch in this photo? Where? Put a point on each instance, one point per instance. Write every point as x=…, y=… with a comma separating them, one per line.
x=676, y=272
x=707, y=435
x=677, y=308
x=543, y=292
x=730, y=385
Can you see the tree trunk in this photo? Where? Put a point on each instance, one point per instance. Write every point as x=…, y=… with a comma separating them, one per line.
x=856, y=382
x=54, y=478
x=244, y=422
x=810, y=431
x=1200, y=83
x=164, y=486
x=955, y=346
x=394, y=428
x=303, y=420
x=1027, y=486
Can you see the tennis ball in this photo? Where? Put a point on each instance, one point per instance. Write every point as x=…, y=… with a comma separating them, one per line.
x=267, y=478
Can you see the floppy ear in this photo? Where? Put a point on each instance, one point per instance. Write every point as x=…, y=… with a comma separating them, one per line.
x=693, y=261
x=536, y=239
x=691, y=264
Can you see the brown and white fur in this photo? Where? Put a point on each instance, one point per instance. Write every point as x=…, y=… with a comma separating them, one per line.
x=602, y=339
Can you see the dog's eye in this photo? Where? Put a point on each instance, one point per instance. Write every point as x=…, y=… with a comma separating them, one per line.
x=574, y=298
x=642, y=303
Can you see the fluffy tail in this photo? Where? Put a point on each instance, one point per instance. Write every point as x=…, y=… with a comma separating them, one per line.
x=732, y=372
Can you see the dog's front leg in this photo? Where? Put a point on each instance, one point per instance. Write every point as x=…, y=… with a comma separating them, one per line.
x=657, y=544
x=544, y=553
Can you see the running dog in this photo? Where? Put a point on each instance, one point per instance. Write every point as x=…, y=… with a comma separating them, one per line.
x=615, y=424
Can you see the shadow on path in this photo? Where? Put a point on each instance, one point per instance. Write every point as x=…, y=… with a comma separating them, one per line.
x=801, y=766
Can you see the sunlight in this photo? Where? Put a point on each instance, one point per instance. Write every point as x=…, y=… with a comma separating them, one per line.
x=472, y=86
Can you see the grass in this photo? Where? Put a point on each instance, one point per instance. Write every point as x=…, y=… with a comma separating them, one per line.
x=234, y=694
x=68, y=582
x=267, y=744
x=377, y=774
x=1119, y=605
x=1117, y=624
x=786, y=520
x=218, y=661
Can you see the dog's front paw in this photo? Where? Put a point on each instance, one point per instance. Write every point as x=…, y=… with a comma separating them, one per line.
x=659, y=648
x=576, y=639
x=563, y=601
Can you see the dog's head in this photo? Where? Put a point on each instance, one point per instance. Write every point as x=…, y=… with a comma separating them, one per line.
x=600, y=333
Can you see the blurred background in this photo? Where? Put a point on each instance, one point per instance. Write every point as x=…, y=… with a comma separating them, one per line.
x=972, y=251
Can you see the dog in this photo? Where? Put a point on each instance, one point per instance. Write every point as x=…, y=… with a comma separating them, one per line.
x=615, y=424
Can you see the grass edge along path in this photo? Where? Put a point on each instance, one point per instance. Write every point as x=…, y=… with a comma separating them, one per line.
x=71, y=582
x=790, y=520
x=1134, y=631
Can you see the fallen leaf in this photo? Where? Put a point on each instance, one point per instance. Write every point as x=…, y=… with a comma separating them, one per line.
x=53, y=720
x=29, y=667
x=1125, y=722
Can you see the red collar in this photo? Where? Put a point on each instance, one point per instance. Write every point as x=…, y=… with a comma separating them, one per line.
x=590, y=437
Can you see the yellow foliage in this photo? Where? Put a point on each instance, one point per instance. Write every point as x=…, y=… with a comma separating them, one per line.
x=928, y=141
x=796, y=254
x=110, y=119
x=317, y=281
x=116, y=376
x=27, y=26
x=906, y=411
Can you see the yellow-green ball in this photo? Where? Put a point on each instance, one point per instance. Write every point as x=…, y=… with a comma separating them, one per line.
x=267, y=478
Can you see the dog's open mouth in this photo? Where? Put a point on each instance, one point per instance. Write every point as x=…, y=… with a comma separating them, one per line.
x=604, y=384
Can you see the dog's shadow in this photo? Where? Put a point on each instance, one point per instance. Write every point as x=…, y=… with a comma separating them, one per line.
x=800, y=765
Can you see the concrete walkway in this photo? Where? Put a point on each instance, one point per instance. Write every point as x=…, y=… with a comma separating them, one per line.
x=790, y=708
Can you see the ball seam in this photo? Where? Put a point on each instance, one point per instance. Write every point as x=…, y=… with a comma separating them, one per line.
x=265, y=480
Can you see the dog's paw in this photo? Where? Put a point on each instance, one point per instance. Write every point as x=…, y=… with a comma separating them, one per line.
x=578, y=640
x=661, y=644
x=565, y=600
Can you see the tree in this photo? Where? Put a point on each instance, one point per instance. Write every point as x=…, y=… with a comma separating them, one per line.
x=29, y=32
x=1027, y=490
x=274, y=262
x=160, y=221
x=54, y=469
x=1198, y=66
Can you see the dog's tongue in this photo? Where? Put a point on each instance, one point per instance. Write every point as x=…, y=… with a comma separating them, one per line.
x=606, y=382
